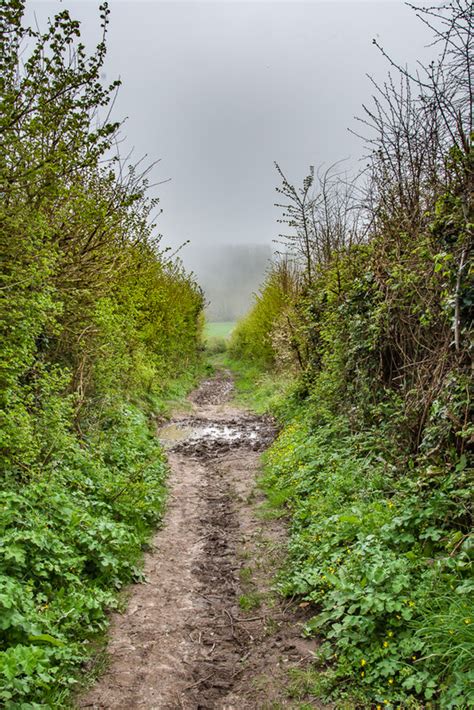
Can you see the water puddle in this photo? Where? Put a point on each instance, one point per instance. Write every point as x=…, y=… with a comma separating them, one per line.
x=194, y=431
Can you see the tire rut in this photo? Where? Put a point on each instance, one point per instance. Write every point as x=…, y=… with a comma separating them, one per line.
x=183, y=641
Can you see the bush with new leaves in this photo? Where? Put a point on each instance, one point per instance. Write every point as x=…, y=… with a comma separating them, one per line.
x=95, y=323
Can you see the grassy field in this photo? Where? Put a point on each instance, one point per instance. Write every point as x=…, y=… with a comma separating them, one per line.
x=218, y=330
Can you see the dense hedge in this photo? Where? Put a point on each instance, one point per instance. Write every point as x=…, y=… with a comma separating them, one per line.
x=374, y=464
x=96, y=323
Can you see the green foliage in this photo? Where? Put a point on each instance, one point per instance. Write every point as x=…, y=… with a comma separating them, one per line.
x=97, y=329
x=267, y=330
x=72, y=536
x=374, y=464
x=216, y=346
x=373, y=468
x=385, y=559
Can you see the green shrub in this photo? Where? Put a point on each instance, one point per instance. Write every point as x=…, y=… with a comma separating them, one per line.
x=384, y=557
x=267, y=331
x=97, y=328
x=72, y=536
x=216, y=346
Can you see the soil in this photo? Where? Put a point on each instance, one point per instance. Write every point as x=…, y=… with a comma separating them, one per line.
x=206, y=630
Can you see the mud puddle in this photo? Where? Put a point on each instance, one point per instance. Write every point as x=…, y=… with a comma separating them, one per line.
x=196, y=436
x=206, y=631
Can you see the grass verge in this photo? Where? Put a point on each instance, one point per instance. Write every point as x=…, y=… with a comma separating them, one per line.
x=260, y=391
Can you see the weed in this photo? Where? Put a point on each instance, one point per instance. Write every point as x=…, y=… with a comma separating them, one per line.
x=246, y=574
x=250, y=601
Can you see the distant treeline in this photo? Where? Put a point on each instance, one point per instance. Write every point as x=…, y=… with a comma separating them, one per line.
x=229, y=275
x=370, y=313
x=95, y=324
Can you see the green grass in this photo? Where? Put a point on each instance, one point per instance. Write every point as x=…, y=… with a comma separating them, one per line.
x=250, y=601
x=218, y=330
x=256, y=389
x=259, y=390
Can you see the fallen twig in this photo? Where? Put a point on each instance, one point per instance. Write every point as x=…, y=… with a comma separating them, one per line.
x=251, y=618
x=198, y=682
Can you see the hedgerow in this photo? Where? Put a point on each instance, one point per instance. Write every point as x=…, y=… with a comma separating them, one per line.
x=374, y=463
x=97, y=328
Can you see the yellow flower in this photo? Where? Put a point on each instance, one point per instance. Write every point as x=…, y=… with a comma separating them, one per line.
x=413, y=658
x=363, y=662
x=390, y=633
x=362, y=674
x=390, y=681
x=467, y=621
x=385, y=644
x=379, y=707
x=410, y=603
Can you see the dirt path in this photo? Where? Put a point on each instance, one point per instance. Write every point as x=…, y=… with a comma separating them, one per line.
x=205, y=631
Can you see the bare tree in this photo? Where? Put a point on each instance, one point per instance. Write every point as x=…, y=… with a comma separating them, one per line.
x=297, y=214
x=443, y=114
x=336, y=214
x=325, y=216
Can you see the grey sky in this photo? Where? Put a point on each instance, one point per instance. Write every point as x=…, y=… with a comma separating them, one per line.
x=219, y=90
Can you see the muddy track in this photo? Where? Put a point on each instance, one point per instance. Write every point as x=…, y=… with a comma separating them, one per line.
x=205, y=630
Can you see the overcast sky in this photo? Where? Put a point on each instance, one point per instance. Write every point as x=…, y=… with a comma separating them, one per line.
x=220, y=90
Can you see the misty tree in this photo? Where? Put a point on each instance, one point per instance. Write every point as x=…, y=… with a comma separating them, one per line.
x=297, y=214
x=324, y=215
